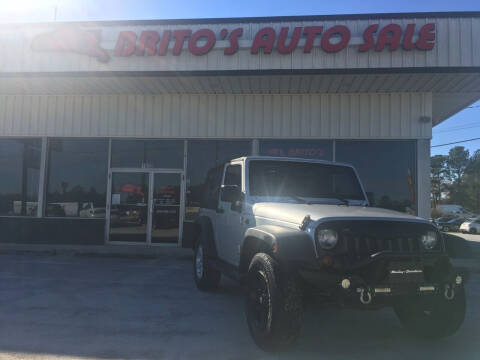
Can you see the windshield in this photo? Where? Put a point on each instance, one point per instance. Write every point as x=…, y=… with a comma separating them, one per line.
x=303, y=179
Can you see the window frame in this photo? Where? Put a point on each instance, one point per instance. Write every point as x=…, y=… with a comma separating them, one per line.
x=144, y=141
x=254, y=150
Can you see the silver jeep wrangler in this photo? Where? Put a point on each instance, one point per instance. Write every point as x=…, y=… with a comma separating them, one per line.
x=294, y=230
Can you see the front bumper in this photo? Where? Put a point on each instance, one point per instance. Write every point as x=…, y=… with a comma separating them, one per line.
x=383, y=279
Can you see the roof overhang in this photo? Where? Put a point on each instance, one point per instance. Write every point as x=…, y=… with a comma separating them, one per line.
x=451, y=91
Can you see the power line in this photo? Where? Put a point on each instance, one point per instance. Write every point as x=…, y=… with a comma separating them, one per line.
x=457, y=128
x=456, y=142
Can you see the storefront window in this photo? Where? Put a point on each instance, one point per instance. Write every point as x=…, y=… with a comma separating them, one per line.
x=204, y=156
x=308, y=149
x=165, y=154
x=387, y=170
x=77, y=178
x=19, y=176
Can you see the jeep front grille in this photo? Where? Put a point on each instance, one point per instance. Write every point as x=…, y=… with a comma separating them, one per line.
x=361, y=245
x=360, y=239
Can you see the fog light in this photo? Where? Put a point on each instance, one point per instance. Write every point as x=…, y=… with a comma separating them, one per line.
x=426, y=288
x=458, y=280
x=345, y=283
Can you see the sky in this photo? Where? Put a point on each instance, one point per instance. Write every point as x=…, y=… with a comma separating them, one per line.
x=463, y=125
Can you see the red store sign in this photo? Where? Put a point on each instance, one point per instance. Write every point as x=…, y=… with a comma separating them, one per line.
x=266, y=40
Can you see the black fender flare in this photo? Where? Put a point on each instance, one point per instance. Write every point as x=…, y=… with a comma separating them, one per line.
x=285, y=244
x=206, y=236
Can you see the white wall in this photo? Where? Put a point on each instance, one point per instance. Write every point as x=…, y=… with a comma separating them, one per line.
x=423, y=178
x=326, y=116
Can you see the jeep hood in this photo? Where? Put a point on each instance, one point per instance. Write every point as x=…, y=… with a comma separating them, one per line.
x=295, y=213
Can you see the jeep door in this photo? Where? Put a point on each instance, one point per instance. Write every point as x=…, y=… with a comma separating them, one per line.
x=230, y=227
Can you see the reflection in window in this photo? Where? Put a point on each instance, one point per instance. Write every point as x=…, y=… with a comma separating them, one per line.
x=77, y=178
x=387, y=170
x=308, y=149
x=305, y=180
x=233, y=175
x=19, y=175
x=166, y=154
x=166, y=208
x=203, y=156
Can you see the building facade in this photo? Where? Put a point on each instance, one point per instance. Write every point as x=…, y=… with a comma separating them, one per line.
x=108, y=130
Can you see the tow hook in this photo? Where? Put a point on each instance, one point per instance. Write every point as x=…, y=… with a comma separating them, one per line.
x=365, y=296
x=449, y=292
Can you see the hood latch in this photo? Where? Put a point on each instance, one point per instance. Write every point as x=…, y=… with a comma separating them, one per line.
x=306, y=220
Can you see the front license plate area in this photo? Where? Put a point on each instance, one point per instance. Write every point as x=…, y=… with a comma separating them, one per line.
x=405, y=273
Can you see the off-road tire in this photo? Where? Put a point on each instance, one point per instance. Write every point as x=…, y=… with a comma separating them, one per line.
x=206, y=277
x=273, y=304
x=432, y=317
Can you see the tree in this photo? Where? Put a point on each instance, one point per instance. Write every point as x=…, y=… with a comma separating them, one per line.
x=438, y=175
x=474, y=163
x=458, y=175
x=457, y=161
x=472, y=182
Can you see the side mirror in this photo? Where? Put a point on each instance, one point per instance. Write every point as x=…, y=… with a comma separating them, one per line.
x=230, y=193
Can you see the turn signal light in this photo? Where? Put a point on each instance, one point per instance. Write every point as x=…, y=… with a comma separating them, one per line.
x=275, y=247
x=327, y=260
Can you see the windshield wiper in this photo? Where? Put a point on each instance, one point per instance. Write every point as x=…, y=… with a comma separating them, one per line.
x=298, y=199
x=342, y=200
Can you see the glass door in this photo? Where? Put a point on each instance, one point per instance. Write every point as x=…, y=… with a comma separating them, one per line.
x=145, y=206
x=166, y=207
x=128, y=222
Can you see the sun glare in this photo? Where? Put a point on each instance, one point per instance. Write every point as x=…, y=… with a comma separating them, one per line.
x=22, y=6
x=38, y=10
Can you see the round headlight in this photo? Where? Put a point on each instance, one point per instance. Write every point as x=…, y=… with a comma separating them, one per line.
x=429, y=240
x=327, y=238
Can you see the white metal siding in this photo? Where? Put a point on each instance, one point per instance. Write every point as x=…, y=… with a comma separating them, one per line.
x=457, y=44
x=423, y=178
x=329, y=116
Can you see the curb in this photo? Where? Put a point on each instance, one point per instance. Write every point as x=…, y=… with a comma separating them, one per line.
x=151, y=252
x=118, y=251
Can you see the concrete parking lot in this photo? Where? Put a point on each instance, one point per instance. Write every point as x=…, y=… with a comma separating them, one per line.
x=474, y=239
x=91, y=307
